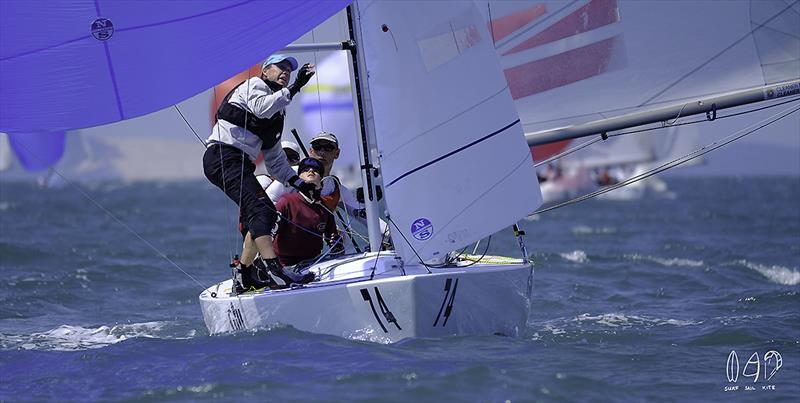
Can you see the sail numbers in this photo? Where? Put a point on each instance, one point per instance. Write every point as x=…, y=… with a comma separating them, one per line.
x=387, y=314
x=235, y=318
x=449, y=298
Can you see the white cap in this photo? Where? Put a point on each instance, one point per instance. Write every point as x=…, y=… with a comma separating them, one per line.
x=292, y=146
x=327, y=136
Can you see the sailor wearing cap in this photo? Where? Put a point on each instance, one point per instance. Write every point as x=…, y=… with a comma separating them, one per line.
x=250, y=121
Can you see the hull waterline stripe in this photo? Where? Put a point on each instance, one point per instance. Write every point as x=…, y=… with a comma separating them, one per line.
x=427, y=164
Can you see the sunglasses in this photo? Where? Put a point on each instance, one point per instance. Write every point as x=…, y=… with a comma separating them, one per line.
x=293, y=158
x=313, y=169
x=323, y=147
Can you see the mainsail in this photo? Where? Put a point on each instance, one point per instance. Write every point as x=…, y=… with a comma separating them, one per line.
x=454, y=163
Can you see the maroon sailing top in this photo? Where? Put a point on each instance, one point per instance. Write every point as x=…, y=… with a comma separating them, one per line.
x=301, y=229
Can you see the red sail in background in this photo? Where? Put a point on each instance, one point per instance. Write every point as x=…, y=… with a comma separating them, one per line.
x=592, y=56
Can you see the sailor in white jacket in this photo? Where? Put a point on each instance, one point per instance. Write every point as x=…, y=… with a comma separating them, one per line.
x=250, y=121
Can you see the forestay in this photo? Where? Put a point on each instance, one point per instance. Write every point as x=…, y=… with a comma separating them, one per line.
x=73, y=64
x=454, y=161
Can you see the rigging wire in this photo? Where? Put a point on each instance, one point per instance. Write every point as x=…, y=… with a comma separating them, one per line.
x=190, y=126
x=678, y=161
x=120, y=222
x=231, y=237
x=319, y=96
x=720, y=53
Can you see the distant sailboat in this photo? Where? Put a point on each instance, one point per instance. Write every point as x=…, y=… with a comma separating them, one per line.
x=569, y=63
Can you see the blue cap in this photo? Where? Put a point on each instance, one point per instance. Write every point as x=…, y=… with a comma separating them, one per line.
x=313, y=163
x=277, y=58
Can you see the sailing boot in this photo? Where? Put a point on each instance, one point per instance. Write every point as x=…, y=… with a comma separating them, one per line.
x=283, y=278
x=250, y=278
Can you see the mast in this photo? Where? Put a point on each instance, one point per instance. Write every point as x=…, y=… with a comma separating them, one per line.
x=707, y=105
x=369, y=173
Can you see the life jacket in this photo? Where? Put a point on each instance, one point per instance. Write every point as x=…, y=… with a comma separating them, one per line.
x=332, y=200
x=267, y=129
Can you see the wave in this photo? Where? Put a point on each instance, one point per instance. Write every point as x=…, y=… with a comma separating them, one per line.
x=72, y=338
x=776, y=274
x=622, y=320
x=667, y=262
x=577, y=256
x=586, y=323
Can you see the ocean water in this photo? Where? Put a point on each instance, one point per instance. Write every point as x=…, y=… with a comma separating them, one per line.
x=633, y=301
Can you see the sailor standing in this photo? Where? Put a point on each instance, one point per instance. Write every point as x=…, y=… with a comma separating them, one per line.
x=249, y=121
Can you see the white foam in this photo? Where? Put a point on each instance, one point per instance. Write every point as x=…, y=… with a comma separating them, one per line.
x=70, y=338
x=668, y=262
x=776, y=274
x=622, y=320
x=584, y=230
x=577, y=256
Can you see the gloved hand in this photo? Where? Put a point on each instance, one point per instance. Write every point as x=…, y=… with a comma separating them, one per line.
x=303, y=76
x=309, y=190
x=336, y=244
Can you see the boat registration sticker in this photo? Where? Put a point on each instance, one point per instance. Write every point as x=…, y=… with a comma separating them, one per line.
x=422, y=229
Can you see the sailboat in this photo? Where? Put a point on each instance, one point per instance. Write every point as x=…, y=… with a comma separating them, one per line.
x=436, y=199
x=443, y=122
x=422, y=130
x=578, y=68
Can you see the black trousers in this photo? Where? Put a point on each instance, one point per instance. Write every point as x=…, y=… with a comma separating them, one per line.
x=231, y=170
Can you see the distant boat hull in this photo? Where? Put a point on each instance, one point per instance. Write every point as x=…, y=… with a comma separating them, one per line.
x=481, y=299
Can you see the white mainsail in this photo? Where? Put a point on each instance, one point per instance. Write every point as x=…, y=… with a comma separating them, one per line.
x=450, y=143
x=575, y=61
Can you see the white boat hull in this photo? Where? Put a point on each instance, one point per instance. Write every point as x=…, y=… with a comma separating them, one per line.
x=481, y=299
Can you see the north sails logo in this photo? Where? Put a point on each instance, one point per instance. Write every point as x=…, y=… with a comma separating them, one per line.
x=422, y=229
x=102, y=29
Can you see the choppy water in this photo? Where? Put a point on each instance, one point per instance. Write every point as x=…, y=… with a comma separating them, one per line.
x=639, y=300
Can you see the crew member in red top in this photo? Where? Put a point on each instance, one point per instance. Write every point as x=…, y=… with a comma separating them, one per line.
x=304, y=225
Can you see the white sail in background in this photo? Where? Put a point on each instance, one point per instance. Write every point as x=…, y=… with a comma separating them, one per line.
x=6, y=155
x=450, y=144
x=327, y=103
x=570, y=62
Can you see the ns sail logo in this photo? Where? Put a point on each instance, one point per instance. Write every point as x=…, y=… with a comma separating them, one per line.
x=757, y=367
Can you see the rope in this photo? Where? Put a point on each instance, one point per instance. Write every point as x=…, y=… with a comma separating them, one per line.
x=190, y=126
x=678, y=161
x=114, y=217
x=319, y=96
